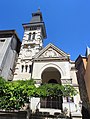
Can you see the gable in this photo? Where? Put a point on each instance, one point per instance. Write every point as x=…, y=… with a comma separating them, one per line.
x=51, y=51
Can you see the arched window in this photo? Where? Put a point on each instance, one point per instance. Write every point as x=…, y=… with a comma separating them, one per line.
x=29, y=38
x=33, y=37
x=22, y=68
x=30, y=68
x=26, y=67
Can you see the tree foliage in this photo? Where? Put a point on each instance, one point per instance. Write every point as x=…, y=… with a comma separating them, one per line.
x=13, y=95
x=56, y=90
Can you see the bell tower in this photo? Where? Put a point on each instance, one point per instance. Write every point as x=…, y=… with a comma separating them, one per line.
x=32, y=43
x=34, y=33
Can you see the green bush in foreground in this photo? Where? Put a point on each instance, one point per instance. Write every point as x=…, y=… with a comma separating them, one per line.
x=13, y=95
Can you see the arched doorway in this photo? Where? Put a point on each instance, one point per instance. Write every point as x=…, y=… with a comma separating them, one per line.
x=51, y=75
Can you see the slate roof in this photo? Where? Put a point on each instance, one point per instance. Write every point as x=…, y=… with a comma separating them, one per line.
x=36, y=17
x=37, y=20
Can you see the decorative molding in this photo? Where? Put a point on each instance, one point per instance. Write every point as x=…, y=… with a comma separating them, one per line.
x=51, y=59
x=66, y=81
x=51, y=51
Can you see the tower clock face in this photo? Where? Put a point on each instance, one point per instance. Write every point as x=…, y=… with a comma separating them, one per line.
x=28, y=53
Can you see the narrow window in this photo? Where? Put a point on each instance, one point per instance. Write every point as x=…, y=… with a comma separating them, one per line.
x=29, y=38
x=33, y=36
x=26, y=67
x=22, y=68
x=30, y=68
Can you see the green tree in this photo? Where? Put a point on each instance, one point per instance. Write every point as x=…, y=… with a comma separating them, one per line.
x=14, y=94
x=56, y=90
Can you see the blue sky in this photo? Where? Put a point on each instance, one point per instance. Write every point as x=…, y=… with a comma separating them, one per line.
x=67, y=21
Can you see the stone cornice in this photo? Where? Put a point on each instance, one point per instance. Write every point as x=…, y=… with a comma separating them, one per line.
x=51, y=59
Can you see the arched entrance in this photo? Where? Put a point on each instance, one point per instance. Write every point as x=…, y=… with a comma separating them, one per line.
x=51, y=75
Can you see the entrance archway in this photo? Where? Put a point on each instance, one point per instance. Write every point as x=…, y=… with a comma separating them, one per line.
x=51, y=75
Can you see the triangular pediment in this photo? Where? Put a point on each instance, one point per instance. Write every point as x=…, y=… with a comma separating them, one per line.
x=51, y=51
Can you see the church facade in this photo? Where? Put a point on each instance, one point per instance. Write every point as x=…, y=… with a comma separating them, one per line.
x=30, y=60
x=45, y=65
